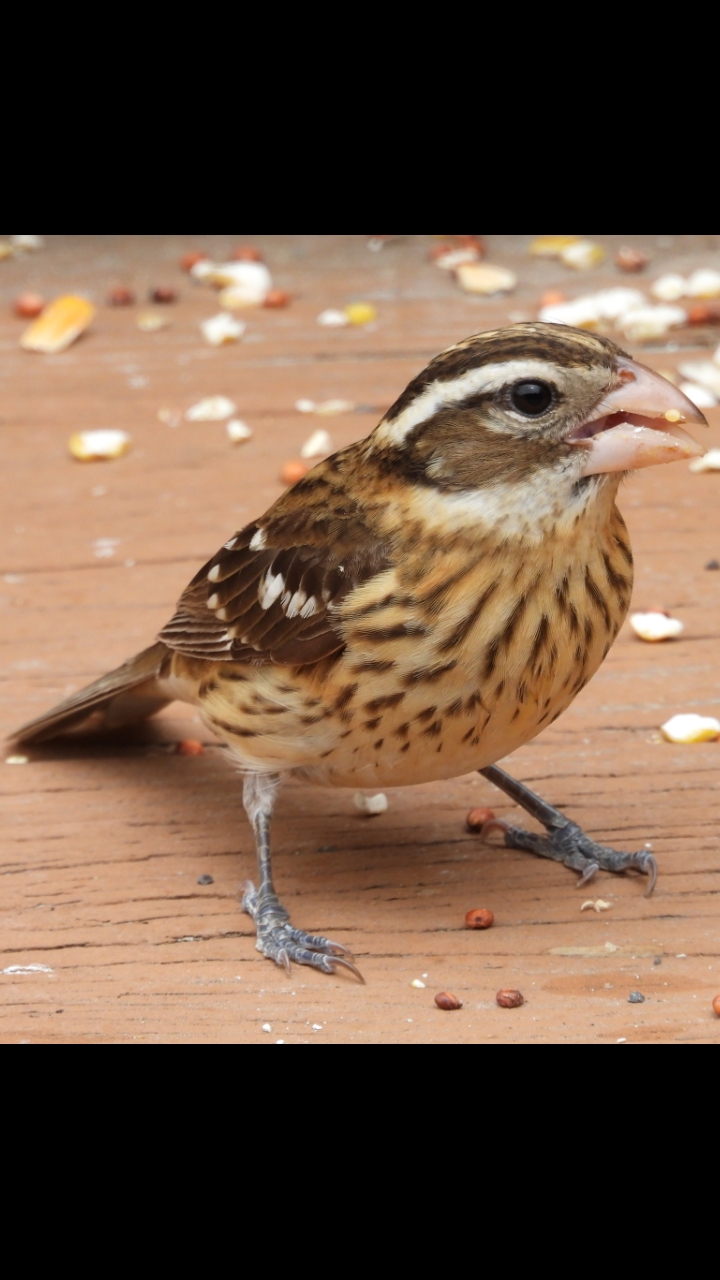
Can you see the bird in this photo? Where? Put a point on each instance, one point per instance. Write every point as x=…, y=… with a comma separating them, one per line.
x=423, y=602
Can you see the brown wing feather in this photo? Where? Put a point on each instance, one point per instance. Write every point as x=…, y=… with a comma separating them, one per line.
x=271, y=592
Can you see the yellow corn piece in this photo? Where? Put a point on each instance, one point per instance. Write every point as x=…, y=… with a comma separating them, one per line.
x=583, y=255
x=6, y=250
x=360, y=313
x=551, y=246
x=98, y=446
x=59, y=325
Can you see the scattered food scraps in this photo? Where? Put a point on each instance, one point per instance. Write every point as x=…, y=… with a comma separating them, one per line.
x=479, y=919
x=685, y=729
x=212, y=409
x=597, y=904
x=482, y=277
x=238, y=431
x=60, y=324
x=29, y=305
x=221, y=329
x=277, y=298
x=22, y=970
x=250, y=282
x=636, y=997
x=656, y=626
x=6, y=250
x=121, y=296
x=582, y=255
x=418, y=985
x=360, y=313
x=163, y=294
x=592, y=309
x=190, y=747
x=205, y=881
x=294, y=471
x=551, y=246
x=325, y=408
x=371, y=805
x=318, y=446
x=450, y=259
x=710, y=461
x=703, y=283
x=552, y=298
x=510, y=999
x=28, y=243
x=152, y=321
x=99, y=446
x=647, y=323
x=716, y=1005
x=333, y=319
x=713, y=564
x=17, y=760
x=477, y=818
x=701, y=313
x=447, y=1001
x=628, y=259
x=266, y=1027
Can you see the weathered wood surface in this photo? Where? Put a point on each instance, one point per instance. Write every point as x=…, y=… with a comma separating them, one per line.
x=103, y=843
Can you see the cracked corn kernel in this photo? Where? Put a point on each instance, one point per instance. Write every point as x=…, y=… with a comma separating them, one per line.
x=551, y=246
x=360, y=313
x=582, y=255
x=691, y=728
x=716, y=1005
x=479, y=919
x=654, y=626
x=59, y=325
x=99, y=446
x=482, y=277
x=477, y=818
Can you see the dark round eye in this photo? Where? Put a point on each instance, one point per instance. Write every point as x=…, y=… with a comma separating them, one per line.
x=531, y=398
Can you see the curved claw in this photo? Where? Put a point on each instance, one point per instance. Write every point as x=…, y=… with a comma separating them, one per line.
x=647, y=864
x=591, y=869
x=347, y=965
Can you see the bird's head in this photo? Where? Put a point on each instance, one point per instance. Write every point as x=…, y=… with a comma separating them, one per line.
x=548, y=411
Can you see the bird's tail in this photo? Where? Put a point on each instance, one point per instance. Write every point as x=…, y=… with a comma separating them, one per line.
x=122, y=697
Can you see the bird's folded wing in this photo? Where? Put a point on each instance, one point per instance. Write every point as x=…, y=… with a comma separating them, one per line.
x=272, y=592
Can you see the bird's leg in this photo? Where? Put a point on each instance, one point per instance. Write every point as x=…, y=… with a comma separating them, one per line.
x=565, y=840
x=276, y=937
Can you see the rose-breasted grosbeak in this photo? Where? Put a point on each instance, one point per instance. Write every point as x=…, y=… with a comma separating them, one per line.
x=425, y=601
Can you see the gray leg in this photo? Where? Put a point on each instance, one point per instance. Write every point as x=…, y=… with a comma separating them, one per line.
x=566, y=841
x=276, y=937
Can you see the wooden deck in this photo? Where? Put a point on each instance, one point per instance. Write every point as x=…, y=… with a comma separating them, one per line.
x=103, y=842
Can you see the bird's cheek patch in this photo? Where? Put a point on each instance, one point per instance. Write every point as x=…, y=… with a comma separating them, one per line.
x=631, y=445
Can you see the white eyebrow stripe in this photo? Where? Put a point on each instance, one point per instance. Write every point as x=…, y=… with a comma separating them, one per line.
x=489, y=377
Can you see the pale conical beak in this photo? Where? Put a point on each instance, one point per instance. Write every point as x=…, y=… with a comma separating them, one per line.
x=638, y=424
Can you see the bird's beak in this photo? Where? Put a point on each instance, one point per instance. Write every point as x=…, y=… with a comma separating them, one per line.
x=637, y=424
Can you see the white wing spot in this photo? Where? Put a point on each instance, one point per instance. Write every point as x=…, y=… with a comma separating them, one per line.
x=229, y=545
x=213, y=602
x=214, y=573
x=258, y=541
x=272, y=588
x=222, y=615
x=309, y=609
x=296, y=603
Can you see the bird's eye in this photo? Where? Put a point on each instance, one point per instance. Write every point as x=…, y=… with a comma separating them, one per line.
x=531, y=398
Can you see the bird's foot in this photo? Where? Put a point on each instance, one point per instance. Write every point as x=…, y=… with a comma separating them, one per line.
x=280, y=941
x=570, y=845
x=565, y=841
